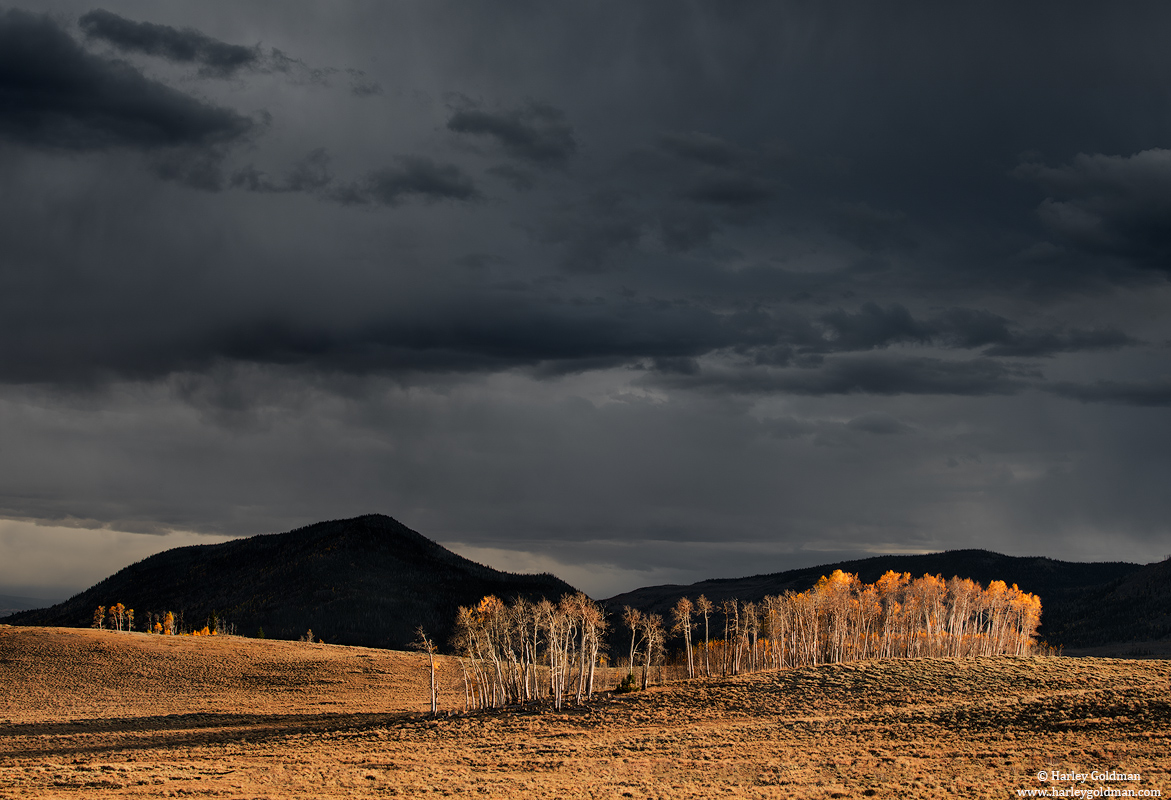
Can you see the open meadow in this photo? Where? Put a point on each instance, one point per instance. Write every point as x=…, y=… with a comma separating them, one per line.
x=108, y=714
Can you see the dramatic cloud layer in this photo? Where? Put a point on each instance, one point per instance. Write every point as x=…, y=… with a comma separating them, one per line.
x=637, y=292
x=537, y=132
x=186, y=46
x=55, y=94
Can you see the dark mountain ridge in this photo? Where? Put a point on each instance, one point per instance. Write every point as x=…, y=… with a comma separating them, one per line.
x=1083, y=604
x=371, y=581
x=365, y=581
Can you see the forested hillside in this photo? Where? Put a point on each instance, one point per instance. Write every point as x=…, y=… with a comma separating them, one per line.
x=1135, y=608
x=364, y=581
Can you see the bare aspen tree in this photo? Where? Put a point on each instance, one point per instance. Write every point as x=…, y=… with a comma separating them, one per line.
x=560, y=637
x=597, y=622
x=590, y=622
x=547, y=624
x=773, y=635
x=577, y=607
x=523, y=621
x=461, y=642
x=426, y=645
x=730, y=609
x=704, y=606
x=653, y=638
x=751, y=628
x=682, y=614
x=633, y=619
x=99, y=617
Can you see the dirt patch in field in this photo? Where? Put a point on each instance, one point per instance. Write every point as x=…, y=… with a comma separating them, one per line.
x=99, y=713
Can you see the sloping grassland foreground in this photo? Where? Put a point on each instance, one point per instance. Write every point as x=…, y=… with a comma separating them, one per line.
x=101, y=713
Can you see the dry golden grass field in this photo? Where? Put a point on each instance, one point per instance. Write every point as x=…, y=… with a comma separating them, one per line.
x=103, y=714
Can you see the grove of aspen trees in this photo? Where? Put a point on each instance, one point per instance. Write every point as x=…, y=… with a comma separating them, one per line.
x=523, y=652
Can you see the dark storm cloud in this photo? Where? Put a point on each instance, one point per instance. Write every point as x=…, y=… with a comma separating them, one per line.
x=970, y=328
x=684, y=229
x=1048, y=343
x=872, y=229
x=195, y=168
x=536, y=132
x=412, y=177
x=877, y=423
x=873, y=327
x=701, y=147
x=54, y=94
x=593, y=232
x=361, y=86
x=488, y=334
x=310, y=174
x=713, y=180
x=1132, y=393
x=729, y=188
x=973, y=328
x=519, y=179
x=875, y=375
x=188, y=45
x=1109, y=204
x=216, y=59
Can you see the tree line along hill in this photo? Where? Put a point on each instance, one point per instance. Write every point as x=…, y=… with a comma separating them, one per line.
x=372, y=581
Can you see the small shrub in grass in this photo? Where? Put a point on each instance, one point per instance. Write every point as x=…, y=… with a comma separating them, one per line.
x=628, y=684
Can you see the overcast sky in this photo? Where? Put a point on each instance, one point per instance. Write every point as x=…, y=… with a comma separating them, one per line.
x=632, y=292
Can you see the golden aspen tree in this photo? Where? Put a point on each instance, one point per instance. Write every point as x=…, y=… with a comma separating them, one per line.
x=867, y=610
x=961, y=594
x=118, y=615
x=834, y=598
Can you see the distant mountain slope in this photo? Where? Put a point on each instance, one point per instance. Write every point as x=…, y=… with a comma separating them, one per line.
x=10, y=604
x=1083, y=604
x=1136, y=608
x=365, y=581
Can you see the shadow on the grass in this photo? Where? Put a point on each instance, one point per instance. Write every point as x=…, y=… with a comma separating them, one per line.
x=79, y=737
